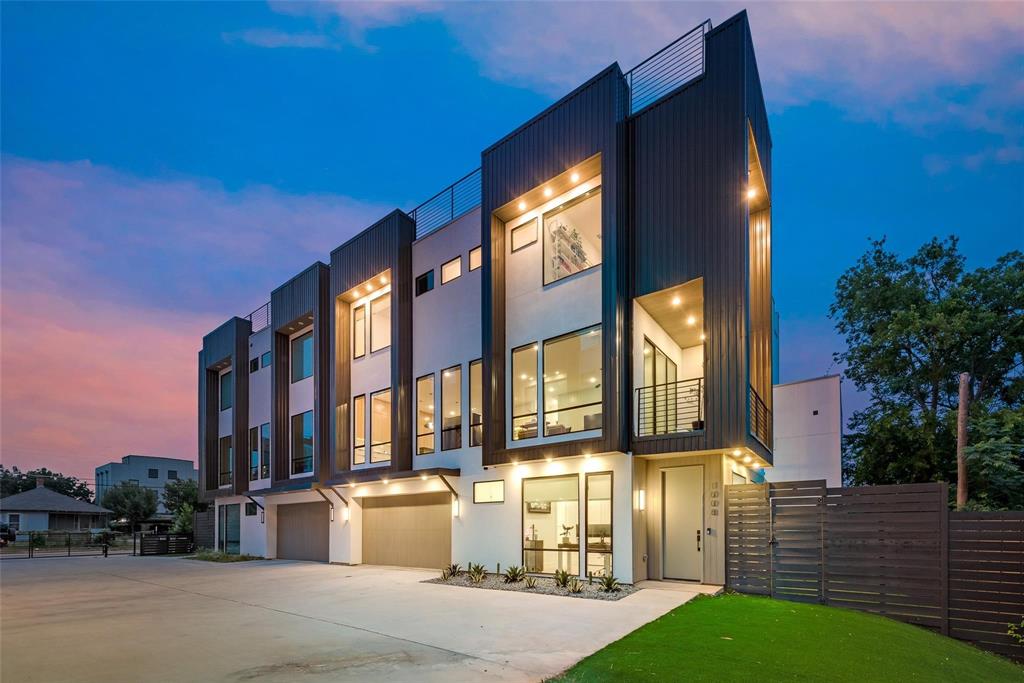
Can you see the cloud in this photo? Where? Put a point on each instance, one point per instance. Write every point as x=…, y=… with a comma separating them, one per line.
x=924, y=66
x=109, y=282
x=267, y=37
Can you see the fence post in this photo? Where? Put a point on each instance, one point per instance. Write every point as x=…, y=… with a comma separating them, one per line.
x=31, y=542
x=943, y=493
x=68, y=539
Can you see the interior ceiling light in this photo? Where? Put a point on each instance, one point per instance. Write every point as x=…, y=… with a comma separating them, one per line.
x=522, y=206
x=676, y=301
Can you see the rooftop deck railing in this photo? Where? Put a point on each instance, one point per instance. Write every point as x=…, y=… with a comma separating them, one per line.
x=669, y=68
x=259, y=318
x=452, y=202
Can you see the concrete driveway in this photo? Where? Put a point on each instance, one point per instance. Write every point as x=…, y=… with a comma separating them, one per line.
x=170, y=619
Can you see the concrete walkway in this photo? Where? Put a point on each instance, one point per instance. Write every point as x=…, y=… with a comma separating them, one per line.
x=169, y=619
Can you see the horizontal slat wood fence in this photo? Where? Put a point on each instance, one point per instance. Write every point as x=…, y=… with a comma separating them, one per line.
x=892, y=550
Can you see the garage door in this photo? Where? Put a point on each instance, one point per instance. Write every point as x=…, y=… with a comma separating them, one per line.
x=408, y=531
x=302, y=531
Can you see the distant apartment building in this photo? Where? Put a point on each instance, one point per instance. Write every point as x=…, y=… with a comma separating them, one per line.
x=557, y=362
x=808, y=431
x=149, y=471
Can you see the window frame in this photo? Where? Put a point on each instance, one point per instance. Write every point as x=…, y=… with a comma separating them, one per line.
x=543, y=389
x=312, y=457
x=489, y=502
x=358, y=400
x=457, y=259
x=299, y=340
x=224, y=477
x=512, y=232
x=172, y=475
x=359, y=349
x=585, y=545
x=229, y=395
x=522, y=520
x=391, y=427
x=265, y=453
x=153, y=473
x=254, y=365
x=250, y=506
x=565, y=206
x=265, y=359
x=479, y=251
x=433, y=432
x=428, y=278
x=537, y=404
x=370, y=304
x=254, y=453
x=479, y=440
x=458, y=428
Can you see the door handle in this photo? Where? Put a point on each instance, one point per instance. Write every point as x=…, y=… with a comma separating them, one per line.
x=698, y=540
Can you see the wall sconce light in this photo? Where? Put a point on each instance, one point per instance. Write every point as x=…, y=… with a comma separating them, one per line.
x=262, y=518
x=455, y=507
x=641, y=500
x=332, y=513
x=345, y=514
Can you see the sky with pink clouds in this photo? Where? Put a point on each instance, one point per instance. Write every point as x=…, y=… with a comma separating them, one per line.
x=140, y=140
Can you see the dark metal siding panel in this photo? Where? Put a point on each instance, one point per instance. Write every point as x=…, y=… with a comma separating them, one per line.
x=385, y=245
x=304, y=295
x=689, y=177
x=229, y=342
x=587, y=122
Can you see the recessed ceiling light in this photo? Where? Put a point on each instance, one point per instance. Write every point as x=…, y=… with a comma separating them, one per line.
x=593, y=380
x=736, y=453
x=676, y=301
x=369, y=288
x=690, y=320
x=383, y=279
x=703, y=336
x=751, y=192
x=522, y=206
x=547, y=191
x=574, y=177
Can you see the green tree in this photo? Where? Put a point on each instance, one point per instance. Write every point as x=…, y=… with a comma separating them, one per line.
x=130, y=502
x=184, y=519
x=14, y=481
x=182, y=492
x=911, y=326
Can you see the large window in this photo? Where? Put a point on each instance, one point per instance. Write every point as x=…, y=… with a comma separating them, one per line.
x=359, y=332
x=425, y=415
x=551, y=524
x=660, y=402
x=599, y=524
x=302, y=442
x=225, y=462
x=226, y=386
x=380, y=323
x=451, y=408
x=476, y=403
x=572, y=237
x=359, y=430
x=264, y=450
x=524, y=392
x=572, y=382
x=254, y=453
x=229, y=529
x=302, y=357
x=380, y=426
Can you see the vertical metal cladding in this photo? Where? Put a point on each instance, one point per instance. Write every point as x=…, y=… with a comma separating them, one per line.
x=586, y=122
x=228, y=343
x=689, y=172
x=387, y=244
x=304, y=295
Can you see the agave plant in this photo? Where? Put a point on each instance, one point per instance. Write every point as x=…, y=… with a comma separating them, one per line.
x=561, y=578
x=477, y=568
x=476, y=573
x=574, y=586
x=514, y=574
x=530, y=582
x=454, y=570
x=609, y=584
x=446, y=574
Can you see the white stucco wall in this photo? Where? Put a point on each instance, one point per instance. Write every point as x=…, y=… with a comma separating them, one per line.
x=260, y=389
x=807, y=446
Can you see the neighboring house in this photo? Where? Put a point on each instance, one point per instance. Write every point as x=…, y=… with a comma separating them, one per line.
x=808, y=431
x=557, y=362
x=145, y=470
x=42, y=509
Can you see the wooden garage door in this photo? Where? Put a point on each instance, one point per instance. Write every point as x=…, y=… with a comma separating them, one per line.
x=302, y=531
x=408, y=531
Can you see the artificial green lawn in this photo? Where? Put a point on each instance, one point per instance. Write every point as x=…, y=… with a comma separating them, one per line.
x=746, y=638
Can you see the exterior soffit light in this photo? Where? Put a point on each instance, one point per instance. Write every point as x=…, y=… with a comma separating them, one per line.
x=522, y=206
x=547, y=191
x=751, y=192
x=736, y=453
x=676, y=301
x=691, y=320
x=575, y=177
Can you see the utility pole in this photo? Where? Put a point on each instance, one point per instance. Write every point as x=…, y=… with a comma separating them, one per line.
x=961, y=441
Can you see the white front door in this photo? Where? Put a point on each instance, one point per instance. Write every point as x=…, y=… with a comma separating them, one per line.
x=682, y=505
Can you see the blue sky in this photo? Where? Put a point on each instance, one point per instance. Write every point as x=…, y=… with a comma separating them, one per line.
x=139, y=140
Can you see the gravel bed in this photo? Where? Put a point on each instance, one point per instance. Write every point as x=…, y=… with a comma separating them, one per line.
x=545, y=586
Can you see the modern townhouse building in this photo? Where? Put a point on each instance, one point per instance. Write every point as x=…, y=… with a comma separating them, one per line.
x=557, y=362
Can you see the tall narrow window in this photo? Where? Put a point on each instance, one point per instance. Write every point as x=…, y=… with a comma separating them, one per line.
x=572, y=237
x=359, y=332
x=264, y=450
x=551, y=524
x=226, y=389
x=254, y=454
x=425, y=415
x=302, y=442
x=451, y=408
x=380, y=323
x=599, y=524
x=476, y=255
x=572, y=382
x=451, y=270
x=660, y=399
x=225, y=461
x=476, y=403
x=380, y=426
x=359, y=430
x=302, y=357
x=524, y=392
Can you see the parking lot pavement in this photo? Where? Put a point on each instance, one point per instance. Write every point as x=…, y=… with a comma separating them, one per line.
x=170, y=619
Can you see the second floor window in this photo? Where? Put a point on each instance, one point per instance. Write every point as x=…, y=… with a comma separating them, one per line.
x=254, y=453
x=359, y=332
x=524, y=392
x=264, y=450
x=380, y=426
x=572, y=237
x=572, y=382
x=359, y=430
x=475, y=258
x=451, y=408
x=380, y=323
x=154, y=473
x=302, y=357
x=451, y=270
x=224, y=461
x=425, y=415
x=476, y=403
x=302, y=443
x=226, y=386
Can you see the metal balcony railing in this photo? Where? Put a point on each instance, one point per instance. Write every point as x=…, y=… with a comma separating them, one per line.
x=669, y=68
x=452, y=202
x=760, y=419
x=259, y=318
x=670, y=408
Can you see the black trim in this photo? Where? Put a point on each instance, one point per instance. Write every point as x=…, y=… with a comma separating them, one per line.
x=489, y=502
x=480, y=250
x=390, y=326
x=450, y=261
x=424, y=282
x=522, y=520
x=433, y=432
x=355, y=399
x=565, y=206
x=513, y=231
x=371, y=443
x=458, y=428
x=366, y=326
x=585, y=541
